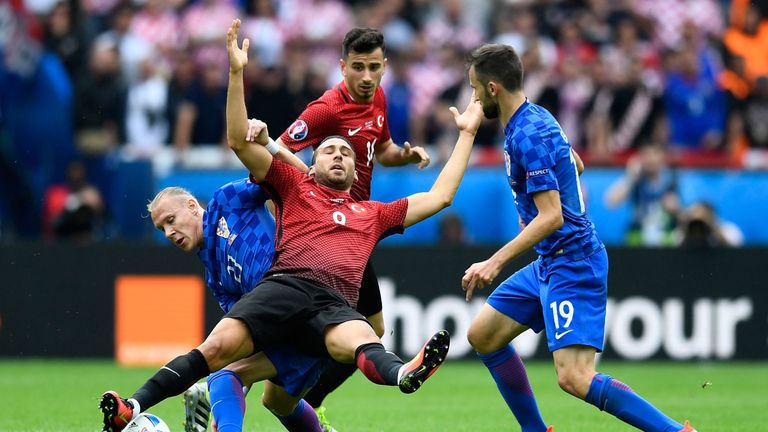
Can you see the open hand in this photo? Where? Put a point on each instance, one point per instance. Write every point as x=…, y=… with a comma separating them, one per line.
x=415, y=155
x=238, y=57
x=470, y=119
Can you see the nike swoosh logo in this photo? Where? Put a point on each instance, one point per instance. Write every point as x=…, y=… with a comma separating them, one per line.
x=354, y=131
x=559, y=335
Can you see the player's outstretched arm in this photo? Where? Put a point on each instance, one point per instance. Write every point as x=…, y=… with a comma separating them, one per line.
x=425, y=204
x=255, y=157
x=390, y=154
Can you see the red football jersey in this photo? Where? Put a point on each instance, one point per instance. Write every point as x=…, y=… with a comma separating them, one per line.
x=325, y=235
x=335, y=113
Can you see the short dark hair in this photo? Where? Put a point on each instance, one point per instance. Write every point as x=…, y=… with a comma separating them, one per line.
x=328, y=138
x=362, y=40
x=497, y=62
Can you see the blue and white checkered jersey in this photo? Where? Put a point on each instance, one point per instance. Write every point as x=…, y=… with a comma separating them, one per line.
x=538, y=158
x=238, y=241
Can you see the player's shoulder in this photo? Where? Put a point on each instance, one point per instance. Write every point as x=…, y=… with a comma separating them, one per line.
x=238, y=190
x=535, y=117
x=333, y=97
x=533, y=124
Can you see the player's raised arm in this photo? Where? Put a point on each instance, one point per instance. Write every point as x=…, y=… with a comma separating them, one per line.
x=425, y=204
x=255, y=157
x=390, y=154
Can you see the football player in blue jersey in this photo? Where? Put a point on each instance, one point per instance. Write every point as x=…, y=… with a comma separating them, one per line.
x=234, y=238
x=565, y=290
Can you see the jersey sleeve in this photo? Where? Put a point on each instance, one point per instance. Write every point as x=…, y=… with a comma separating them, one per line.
x=281, y=179
x=392, y=217
x=313, y=125
x=536, y=155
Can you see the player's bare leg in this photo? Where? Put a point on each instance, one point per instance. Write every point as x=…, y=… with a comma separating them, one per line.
x=576, y=375
x=490, y=335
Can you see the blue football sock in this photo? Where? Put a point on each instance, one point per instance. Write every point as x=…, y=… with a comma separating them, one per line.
x=302, y=419
x=227, y=400
x=615, y=397
x=508, y=371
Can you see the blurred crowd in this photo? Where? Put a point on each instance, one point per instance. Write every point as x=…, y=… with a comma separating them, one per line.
x=689, y=77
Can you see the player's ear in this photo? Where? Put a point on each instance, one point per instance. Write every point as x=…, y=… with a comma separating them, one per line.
x=311, y=171
x=355, y=171
x=492, y=88
x=343, y=67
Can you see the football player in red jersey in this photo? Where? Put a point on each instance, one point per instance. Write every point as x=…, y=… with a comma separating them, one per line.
x=309, y=293
x=355, y=108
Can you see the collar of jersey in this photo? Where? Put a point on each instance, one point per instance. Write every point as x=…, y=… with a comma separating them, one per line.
x=518, y=111
x=343, y=87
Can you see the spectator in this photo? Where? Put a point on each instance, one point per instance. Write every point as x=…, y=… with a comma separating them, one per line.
x=146, y=121
x=538, y=82
x=398, y=96
x=263, y=29
x=694, y=104
x=100, y=102
x=269, y=98
x=700, y=227
x=626, y=110
x=750, y=42
x=576, y=87
x=200, y=118
x=749, y=124
x=452, y=232
x=65, y=37
x=650, y=186
x=75, y=210
x=183, y=73
x=132, y=48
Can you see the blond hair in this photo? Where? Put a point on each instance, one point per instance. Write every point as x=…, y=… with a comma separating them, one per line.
x=172, y=191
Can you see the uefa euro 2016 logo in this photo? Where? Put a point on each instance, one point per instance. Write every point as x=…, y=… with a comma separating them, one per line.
x=298, y=130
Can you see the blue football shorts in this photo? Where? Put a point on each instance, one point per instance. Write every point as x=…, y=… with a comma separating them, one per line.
x=296, y=372
x=567, y=298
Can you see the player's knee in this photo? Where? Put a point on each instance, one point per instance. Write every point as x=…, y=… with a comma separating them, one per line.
x=215, y=351
x=377, y=322
x=480, y=340
x=378, y=328
x=573, y=381
x=275, y=405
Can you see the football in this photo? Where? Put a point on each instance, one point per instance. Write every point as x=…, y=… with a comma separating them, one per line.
x=146, y=422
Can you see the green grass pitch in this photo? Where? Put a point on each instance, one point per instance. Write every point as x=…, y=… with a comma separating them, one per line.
x=38, y=395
